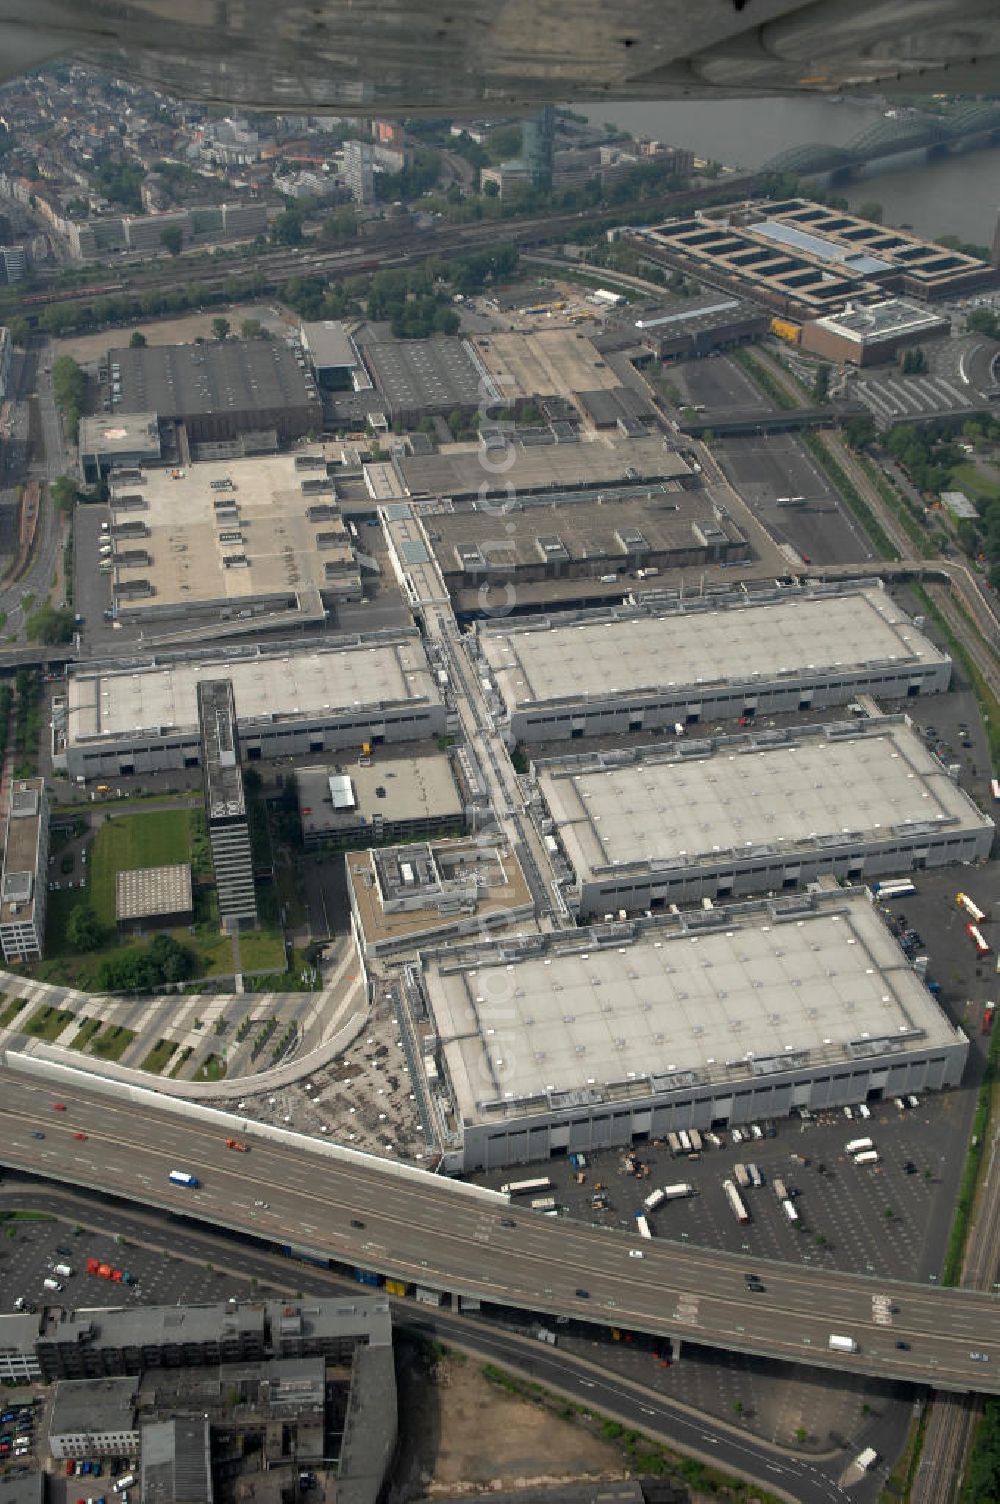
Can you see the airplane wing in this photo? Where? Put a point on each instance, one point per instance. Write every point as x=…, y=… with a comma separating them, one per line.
x=450, y=56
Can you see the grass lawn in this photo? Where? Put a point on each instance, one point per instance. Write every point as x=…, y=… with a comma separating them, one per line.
x=159, y=1056
x=10, y=1012
x=48, y=1023
x=86, y=1032
x=112, y=1044
x=156, y=839
x=978, y=484
x=262, y=950
x=182, y=1060
x=212, y=1068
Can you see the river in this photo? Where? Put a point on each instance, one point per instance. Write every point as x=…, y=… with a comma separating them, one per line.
x=960, y=195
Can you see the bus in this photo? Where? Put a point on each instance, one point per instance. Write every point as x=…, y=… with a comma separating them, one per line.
x=867, y=1157
x=181, y=1177
x=858, y=1145
x=642, y=1226
x=975, y=934
x=791, y=501
x=899, y=888
x=526, y=1187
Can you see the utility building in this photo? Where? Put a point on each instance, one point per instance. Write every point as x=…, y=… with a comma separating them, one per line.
x=642, y=668
x=588, y=1039
x=225, y=806
x=756, y=813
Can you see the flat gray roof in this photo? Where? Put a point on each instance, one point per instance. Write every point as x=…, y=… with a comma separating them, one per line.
x=177, y=1462
x=290, y=684
x=412, y=788
x=594, y=461
x=329, y=344
x=186, y=381
x=876, y=321
x=146, y=891
x=692, y=648
x=93, y=1405
x=120, y=433
x=20, y=858
x=743, y=795
x=231, y=531
x=750, y=994
x=657, y=518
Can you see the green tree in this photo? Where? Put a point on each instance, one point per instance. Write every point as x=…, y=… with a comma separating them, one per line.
x=821, y=383
x=341, y=225
x=172, y=239
x=253, y=329
x=63, y=492
x=220, y=328
x=137, y=340
x=287, y=227
x=171, y=961
x=83, y=929
x=20, y=331
x=860, y=432
x=870, y=209
x=982, y=321
x=50, y=626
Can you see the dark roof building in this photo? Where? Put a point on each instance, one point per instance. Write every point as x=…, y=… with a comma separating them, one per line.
x=218, y=391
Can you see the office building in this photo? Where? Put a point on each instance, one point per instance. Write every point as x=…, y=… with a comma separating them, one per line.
x=225, y=805
x=594, y=1039
x=687, y=328
x=403, y=897
x=873, y=333
x=94, y=1418
x=291, y=701
x=331, y=352
x=711, y=659
x=760, y=812
x=19, y=1363
x=24, y=886
x=389, y=799
x=537, y=142
x=124, y=441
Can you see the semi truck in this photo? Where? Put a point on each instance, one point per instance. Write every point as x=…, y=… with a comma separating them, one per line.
x=642, y=1226
x=526, y=1187
x=695, y=1138
x=742, y=1176
x=789, y=1211
x=674, y=1143
x=736, y=1202
x=839, y=1344
x=181, y=1177
x=238, y=1144
x=675, y=1192
x=970, y=907
x=653, y=1200
x=866, y=1157
x=64, y=1270
x=858, y=1145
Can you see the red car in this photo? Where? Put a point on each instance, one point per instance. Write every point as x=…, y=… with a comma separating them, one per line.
x=70, y=1468
x=58, y=1106
x=80, y=1136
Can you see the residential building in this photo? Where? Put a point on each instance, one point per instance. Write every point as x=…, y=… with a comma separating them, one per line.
x=359, y=168
x=94, y=1418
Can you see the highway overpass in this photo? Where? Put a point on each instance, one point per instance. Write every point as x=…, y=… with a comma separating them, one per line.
x=460, y=1239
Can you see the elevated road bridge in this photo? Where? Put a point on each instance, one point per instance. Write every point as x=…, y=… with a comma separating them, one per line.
x=462, y=1240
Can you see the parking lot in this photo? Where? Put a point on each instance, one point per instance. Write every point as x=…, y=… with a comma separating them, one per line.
x=717, y=385
x=763, y=467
